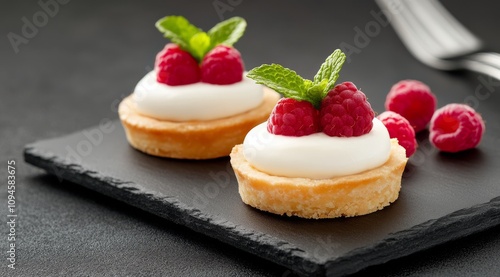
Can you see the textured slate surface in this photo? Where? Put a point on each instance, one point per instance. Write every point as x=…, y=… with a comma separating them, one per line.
x=444, y=197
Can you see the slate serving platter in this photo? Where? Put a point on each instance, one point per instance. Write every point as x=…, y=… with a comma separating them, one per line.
x=443, y=197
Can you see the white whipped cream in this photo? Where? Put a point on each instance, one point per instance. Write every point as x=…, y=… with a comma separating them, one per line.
x=198, y=101
x=316, y=156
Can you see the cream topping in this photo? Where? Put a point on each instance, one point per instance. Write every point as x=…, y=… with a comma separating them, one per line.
x=316, y=156
x=198, y=101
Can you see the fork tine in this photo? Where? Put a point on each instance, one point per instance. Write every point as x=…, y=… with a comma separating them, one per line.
x=433, y=25
x=425, y=27
x=452, y=24
x=415, y=36
x=453, y=36
x=437, y=39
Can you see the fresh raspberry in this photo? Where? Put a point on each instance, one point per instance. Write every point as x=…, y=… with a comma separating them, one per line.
x=345, y=112
x=400, y=128
x=176, y=67
x=456, y=127
x=414, y=101
x=222, y=66
x=293, y=118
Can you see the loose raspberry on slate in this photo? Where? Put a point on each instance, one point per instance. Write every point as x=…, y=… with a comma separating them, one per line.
x=345, y=112
x=456, y=127
x=414, y=101
x=400, y=129
x=222, y=66
x=295, y=118
x=176, y=67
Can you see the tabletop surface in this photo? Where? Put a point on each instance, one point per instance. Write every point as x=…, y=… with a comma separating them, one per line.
x=66, y=64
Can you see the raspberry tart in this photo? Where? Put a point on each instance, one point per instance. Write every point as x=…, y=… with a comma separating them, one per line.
x=322, y=153
x=197, y=103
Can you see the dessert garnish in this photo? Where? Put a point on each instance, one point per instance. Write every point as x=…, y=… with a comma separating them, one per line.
x=456, y=127
x=311, y=106
x=400, y=128
x=414, y=101
x=453, y=128
x=195, y=55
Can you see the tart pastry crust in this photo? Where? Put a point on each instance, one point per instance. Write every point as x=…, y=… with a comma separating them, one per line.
x=345, y=196
x=191, y=139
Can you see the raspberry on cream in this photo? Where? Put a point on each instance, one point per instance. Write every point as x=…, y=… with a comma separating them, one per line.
x=294, y=118
x=223, y=65
x=176, y=67
x=316, y=156
x=345, y=112
x=198, y=101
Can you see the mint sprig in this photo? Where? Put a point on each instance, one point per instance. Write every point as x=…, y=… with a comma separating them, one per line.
x=280, y=79
x=288, y=83
x=198, y=43
x=177, y=29
x=330, y=69
x=227, y=32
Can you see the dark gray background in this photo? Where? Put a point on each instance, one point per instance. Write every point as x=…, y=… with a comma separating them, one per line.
x=91, y=54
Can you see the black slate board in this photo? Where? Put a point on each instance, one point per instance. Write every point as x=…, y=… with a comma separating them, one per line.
x=444, y=197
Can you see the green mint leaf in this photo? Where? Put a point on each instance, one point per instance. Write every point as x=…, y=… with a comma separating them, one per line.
x=283, y=80
x=307, y=84
x=288, y=83
x=330, y=69
x=178, y=30
x=315, y=92
x=227, y=32
x=199, y=45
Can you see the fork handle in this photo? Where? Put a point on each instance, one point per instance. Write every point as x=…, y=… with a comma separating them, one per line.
x=487, y=63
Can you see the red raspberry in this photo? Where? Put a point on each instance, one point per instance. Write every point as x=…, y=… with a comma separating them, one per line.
x=401, y=129
x=176, y=67
x=293, y=118
x=345, y=112
x=414, y=101
x=456, y=127
x=222, y=66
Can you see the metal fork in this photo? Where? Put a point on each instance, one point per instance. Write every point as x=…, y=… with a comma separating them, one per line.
x=437, y=39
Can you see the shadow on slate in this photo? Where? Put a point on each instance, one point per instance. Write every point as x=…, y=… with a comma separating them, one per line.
x=444, y=197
